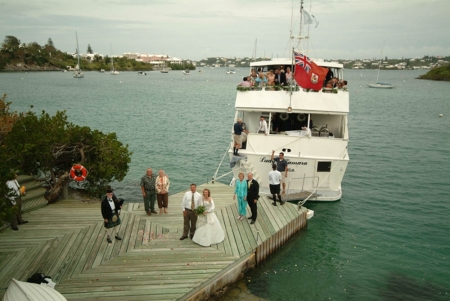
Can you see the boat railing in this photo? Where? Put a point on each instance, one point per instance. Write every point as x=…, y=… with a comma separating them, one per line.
x=288, y=89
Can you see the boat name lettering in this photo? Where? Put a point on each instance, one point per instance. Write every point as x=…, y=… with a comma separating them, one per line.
x=265, y=160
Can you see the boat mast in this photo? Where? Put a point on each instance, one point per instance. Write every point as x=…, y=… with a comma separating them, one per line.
x=78, y=52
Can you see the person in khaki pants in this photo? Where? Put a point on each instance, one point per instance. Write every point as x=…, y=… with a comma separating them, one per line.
x=15, y=197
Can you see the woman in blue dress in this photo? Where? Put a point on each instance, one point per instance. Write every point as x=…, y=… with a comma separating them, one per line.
x=240, y=190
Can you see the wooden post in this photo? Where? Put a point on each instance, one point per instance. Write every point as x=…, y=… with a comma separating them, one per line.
x=65, y=191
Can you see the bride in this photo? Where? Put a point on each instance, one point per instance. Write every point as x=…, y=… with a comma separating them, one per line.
x=209, y=231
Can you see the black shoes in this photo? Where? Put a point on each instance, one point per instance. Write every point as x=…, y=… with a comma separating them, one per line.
x=108, y=239
x=250, y=217
x=191, y=236
x=23, y=222
x=282, y=203
x=274, y=203
x=154, y=211
x=118, y=237
x=252, y=222
x=14, y=228
x=183, y=237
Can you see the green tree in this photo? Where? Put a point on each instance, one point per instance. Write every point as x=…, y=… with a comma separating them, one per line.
x=50, y=42
x=50, y=146
x=11, y=43
x=89, y=49
x=7, y=119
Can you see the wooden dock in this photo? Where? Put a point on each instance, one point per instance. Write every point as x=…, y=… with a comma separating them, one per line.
x=67, y=241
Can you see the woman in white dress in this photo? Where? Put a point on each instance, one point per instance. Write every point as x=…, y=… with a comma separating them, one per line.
x=209, y=231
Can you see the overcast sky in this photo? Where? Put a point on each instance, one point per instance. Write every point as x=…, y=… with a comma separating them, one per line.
x=196, y=29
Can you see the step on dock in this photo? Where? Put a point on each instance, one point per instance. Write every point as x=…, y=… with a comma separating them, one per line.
x=66, y=240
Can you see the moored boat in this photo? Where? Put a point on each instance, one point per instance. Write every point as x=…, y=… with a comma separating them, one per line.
x=187, y=72
x=310, y=126
x=78, y=73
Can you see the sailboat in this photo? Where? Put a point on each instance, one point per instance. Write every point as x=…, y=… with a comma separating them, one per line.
x=378, y=84
x=78, y=73
x=164, y=69
x=113, y=70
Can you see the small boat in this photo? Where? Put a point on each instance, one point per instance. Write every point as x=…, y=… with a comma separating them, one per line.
x=142, y=73
x=231, y=71
x=113, y=70
x=102, y=70
x=187, y=72
x=200, y=70
x=380, y=85
x=78, y=73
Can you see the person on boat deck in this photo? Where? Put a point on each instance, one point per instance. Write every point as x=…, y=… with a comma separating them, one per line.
x=237, y=136
x=253, y=75
x=280, y=77
x=270, y=78
x=288, y=75
x=110, y=212
x=162, y=191
x=191, y=200
x=245, y=82
x=329, y=76
x=263, y=128
x=282, y=167
x=274, y=184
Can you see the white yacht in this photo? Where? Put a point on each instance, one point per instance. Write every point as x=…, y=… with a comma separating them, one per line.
x=309, y=127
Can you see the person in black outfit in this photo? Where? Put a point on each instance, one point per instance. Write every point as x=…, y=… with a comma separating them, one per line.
x=280, y=77
x=252, y=196
x=110, y=212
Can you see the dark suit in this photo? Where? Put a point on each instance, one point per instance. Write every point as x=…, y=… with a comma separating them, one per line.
x=107, y=212
x=280, y=79
x=252, y=195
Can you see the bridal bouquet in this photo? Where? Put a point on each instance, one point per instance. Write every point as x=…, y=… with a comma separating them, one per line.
x=200, y=210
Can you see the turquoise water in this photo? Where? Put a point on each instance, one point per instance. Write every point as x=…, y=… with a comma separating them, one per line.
x=387, y=239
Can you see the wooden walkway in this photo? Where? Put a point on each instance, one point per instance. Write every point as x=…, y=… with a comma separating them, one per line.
x=67, y=241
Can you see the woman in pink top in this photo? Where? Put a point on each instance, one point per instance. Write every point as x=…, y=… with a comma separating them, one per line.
x=162, y=191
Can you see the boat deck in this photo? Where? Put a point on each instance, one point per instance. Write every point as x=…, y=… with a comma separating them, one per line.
x=66, y=240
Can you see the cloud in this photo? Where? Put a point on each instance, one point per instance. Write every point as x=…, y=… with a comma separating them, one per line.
x=198, y=28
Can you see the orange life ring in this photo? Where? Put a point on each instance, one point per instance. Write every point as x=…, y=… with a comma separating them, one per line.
x=78, y=172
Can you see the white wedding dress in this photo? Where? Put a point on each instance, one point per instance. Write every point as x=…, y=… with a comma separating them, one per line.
x=209, y=231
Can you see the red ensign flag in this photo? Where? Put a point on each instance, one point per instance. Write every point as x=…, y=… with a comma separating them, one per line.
x=307, y=74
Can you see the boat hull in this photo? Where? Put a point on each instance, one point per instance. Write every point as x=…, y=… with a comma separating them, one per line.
x=380, y=86
x=307, y=177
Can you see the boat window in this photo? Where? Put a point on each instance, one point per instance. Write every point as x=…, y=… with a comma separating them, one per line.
x=324, y=166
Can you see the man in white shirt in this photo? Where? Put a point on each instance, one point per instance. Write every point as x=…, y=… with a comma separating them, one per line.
x=191, y=200
x=274, y=184
x=263, y=126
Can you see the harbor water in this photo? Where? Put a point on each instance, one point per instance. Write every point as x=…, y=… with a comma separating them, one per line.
x=386, y=239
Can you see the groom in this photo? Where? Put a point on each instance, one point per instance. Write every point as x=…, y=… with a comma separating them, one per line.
x=252, y=196
x=191, y=200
